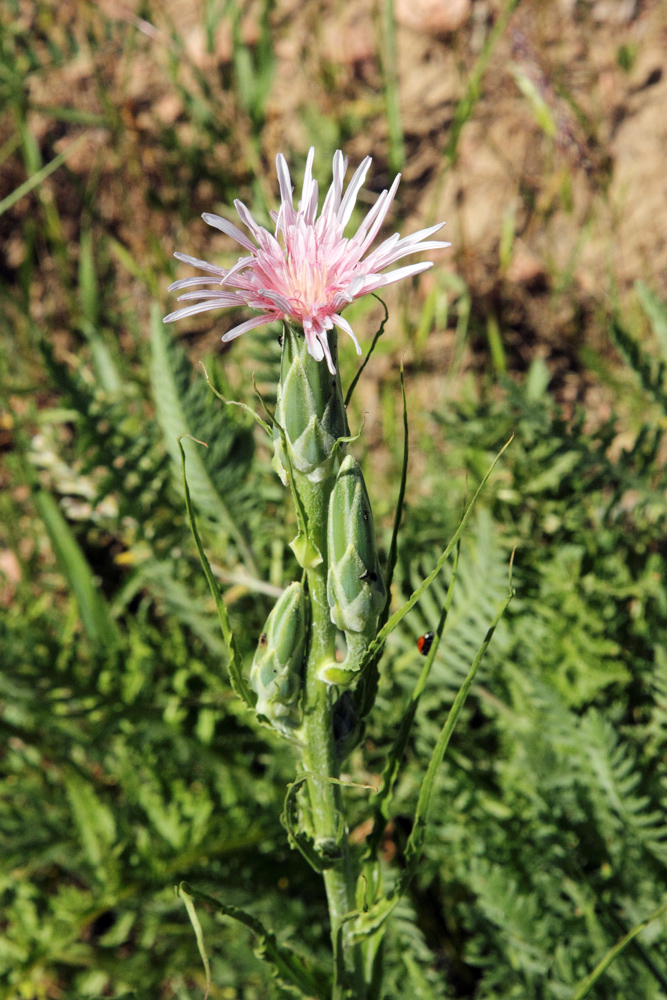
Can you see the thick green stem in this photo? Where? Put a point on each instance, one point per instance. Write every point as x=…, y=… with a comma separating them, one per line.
x=311, y=414
x=319, y=758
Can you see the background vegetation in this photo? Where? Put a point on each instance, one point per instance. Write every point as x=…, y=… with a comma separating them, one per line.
x=538, y=131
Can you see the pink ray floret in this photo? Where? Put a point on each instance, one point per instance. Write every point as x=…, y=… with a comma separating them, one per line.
x=309, y=271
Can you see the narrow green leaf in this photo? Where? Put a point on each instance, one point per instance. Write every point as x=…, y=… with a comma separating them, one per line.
x=363, y=364
x=95, y=616
x=73, y=115
x=585, y=985
x=89, y=324
x=539, y=107
x=383, y=798
x=233, y=402
x=9, y=147
x=370, y=921
x=416, y=839
x=236, y=660
x=199, y=934
x=367, y=688
x=88, y=287
x=303, y=843
x=466, y=106
x=172, y=420
x=376, y=646
x=656, y=313
x=389, y=59
x=287, y=967
x=398, y=516
x=143, y=274
x=36, y=179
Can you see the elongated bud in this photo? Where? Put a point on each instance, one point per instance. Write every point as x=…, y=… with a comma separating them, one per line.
x=310, y=409
x=355, y=588
x=277, y=669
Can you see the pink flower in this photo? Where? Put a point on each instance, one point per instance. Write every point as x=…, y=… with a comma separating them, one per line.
x=309, y=271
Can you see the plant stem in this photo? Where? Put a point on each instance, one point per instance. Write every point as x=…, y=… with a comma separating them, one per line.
x=319, y=758
x=312, y=411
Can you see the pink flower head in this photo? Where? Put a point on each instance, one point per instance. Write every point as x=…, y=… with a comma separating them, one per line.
x=309, y=271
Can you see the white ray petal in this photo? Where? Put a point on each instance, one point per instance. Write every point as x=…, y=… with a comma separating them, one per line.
x=355, y=286
x=375, y=281
x=343, y=325
x=223, y=299
x=355, y=185
x=312, y=343
x=369, y=218
x=202, y=264
x=311, y=214
x=241, y=264
x=386, y=255
x=285, y=183
x=278, y=300
x=382, y=214
x=187, y=282
x=249, y=324
x=200, y=307
x=306, y=188
x=332, y=200
x=228, y=228
x=423, y=234
x=323, y=341
x=246, y=217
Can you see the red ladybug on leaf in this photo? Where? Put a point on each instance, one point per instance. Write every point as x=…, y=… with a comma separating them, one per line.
x=424, y=642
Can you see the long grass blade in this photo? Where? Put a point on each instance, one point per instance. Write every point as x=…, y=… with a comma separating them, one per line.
x=391, y=88
x=383, y=798
x=376, y=646
x=172, y=420
x=416, y=839
x=466, y=106
x=585, y=986
x=199, y=935
x=380, y=331
x=367, y=690
x=299, y=839
x=236, y=660
x=233, y=402
x=95, y=616
x=90, y=321
x=398, y=515
x=36, y=179
x=288, y=967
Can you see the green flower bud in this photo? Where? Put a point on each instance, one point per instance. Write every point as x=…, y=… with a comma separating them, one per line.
x=355, y=588
x=310, y=410
x=277, y=669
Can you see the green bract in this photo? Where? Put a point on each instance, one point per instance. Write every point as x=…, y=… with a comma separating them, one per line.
x=355, y=588
x=277, y=669
x=310, y=411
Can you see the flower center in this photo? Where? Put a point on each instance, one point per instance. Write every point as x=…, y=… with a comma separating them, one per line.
x=311, y=279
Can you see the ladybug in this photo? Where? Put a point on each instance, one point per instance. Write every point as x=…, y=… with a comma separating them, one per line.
x=424, y=642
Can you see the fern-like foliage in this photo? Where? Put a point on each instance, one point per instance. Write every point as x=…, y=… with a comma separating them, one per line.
x=117, y=448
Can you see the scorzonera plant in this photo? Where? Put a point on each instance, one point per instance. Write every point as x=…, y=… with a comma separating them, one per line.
x=300, y=683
